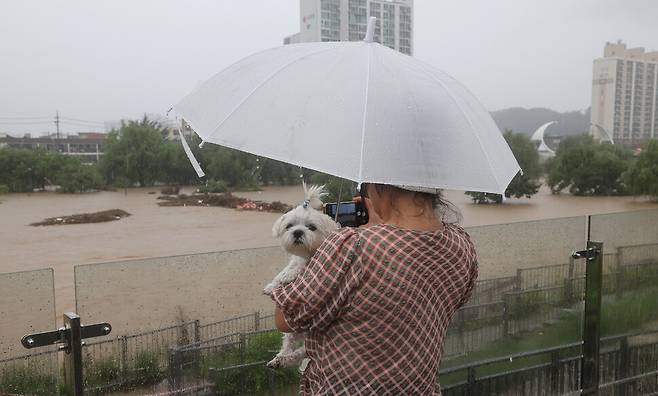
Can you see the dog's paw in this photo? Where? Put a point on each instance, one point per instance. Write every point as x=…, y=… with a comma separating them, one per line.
x=274, y=363
x=268, y=289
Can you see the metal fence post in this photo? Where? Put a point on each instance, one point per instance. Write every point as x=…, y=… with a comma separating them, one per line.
x=256, y=321
x=460, y=316
x=197, y=353
x=174, y=368
x=242, y=347
x=555, y=372
x=619, y=281
x=592, y=317
x=69, y=338
x=123, y=343
x=470, y=382
x=73, y=355
x=624, y=361
x=506, y=309
x=569, y=289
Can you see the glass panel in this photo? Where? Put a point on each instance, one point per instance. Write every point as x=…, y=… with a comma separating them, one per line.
x=524, y=314
x=187, y=302
x=27, y=305
x=629, y=313
x=142, y=295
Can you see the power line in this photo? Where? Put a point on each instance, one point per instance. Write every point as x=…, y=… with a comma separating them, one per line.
x=26, y=118
x=85, y=121
x=79, y=124
x=25, y=122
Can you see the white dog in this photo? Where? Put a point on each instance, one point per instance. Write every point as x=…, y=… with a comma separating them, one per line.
x=300, y=232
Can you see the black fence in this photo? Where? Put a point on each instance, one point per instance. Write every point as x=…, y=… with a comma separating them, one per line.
x=628, y=366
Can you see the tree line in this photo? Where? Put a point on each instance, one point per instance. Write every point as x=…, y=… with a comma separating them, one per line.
x=582, y=167
x=138, y=154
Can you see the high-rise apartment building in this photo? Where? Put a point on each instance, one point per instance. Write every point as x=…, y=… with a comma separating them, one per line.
x=625, y=94
x=347, y=20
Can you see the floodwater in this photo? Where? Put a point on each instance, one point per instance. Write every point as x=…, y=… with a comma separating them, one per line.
x=153, y=231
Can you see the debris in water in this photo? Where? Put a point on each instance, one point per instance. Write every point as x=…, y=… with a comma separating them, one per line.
x=225, y=200
x=83, y=218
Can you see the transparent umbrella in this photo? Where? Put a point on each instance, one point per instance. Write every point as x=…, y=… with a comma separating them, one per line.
x=357, y=110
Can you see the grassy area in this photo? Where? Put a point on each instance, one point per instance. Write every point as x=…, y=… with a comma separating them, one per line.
x=26, y=381
x=629, y=313
x=105, y=375
x=249, y=380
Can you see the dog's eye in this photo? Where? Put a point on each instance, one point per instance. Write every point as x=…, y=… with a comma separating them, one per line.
x=311, y=227
x=288, y=226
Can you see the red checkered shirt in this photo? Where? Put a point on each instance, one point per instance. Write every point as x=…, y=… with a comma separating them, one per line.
x=376, y=303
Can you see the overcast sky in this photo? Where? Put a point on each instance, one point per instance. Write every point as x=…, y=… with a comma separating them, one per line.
x=108, y=60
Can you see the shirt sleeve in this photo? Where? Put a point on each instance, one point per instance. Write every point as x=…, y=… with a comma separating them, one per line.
x=472, y=262
x=315, y=298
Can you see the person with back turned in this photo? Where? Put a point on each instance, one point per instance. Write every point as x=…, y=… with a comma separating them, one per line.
x=376, y=300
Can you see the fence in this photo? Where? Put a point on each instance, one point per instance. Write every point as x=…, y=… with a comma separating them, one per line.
x=35, y=374
x=177, y=289
x=626, y=368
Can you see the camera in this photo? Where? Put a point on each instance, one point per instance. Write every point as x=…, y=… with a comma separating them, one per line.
x=350, y=214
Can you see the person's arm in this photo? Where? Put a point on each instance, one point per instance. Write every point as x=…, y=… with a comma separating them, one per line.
x=280, y=321
x=315, y=298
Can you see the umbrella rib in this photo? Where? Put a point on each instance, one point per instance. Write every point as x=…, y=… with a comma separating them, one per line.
x=465, y=115
x=253, y=91
x=365, y=114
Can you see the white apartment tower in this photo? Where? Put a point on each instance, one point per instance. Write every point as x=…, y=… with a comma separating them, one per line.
x=625, y=94
x=347, y=20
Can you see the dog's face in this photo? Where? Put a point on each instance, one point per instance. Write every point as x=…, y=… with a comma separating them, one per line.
x=302, y=230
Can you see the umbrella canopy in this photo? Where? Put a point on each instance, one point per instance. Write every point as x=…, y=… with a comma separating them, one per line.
x=358, y=110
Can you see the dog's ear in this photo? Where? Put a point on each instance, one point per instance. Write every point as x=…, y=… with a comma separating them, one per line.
x=329, y=224
x=277, y=228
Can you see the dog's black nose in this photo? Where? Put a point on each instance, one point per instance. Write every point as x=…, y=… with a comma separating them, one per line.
x=298, y=234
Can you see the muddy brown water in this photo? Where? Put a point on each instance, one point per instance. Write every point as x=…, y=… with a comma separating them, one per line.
x=154, y=231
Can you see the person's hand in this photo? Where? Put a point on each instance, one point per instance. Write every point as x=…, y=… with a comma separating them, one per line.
x=373, y=217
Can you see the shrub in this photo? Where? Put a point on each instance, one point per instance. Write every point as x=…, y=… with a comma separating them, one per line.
x=214, y=186
x=26, y=381
x=147, y=368
x=4, y=189
x=102, y=373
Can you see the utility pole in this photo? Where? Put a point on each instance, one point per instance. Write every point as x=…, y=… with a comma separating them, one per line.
x=57, y=125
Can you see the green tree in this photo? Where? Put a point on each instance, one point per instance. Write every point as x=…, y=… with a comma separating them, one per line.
x=132, y=152
x=522, y=185
x=27, y=170
x=18, y=170
x=238, y=169
x=642, y=177
x=587, y=168
x=174, y=166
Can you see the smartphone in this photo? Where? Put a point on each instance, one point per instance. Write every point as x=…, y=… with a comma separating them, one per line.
x=350, y=214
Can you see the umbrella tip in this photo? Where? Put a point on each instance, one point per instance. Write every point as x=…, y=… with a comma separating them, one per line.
x=370, y=33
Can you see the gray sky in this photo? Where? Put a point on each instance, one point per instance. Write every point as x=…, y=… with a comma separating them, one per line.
x=107, y=60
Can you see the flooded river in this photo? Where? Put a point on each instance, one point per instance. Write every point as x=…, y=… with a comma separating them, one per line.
x=153, y=231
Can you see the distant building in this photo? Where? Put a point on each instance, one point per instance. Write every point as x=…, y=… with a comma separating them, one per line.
x=88, y=146
x=625, y=95
x=347, y=20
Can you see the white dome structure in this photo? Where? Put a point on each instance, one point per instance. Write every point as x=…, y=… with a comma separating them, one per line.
x=538, y=138
x=600, y=134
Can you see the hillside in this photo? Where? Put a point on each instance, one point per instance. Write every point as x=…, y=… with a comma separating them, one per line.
x=523, y=120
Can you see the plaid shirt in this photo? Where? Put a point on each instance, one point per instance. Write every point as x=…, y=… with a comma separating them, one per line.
x=376, y=303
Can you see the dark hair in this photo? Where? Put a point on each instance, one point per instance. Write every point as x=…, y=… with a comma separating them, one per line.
x=445, y=209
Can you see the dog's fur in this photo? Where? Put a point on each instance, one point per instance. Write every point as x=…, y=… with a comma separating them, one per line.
x=300, y=233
